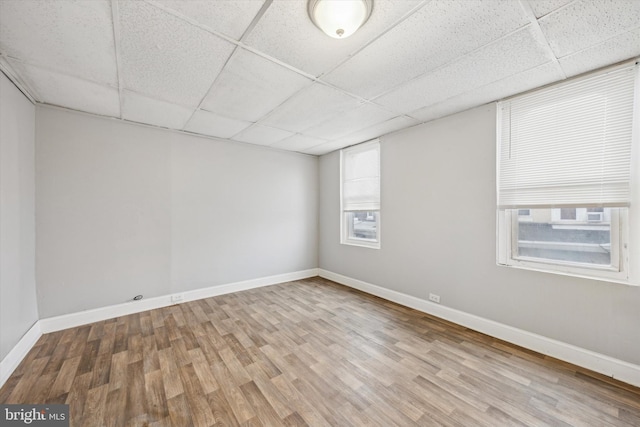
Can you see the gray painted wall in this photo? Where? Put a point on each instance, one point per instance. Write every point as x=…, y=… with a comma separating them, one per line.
x=438, y=217
x=125, y=210
x=240, y=212
x=18, y=308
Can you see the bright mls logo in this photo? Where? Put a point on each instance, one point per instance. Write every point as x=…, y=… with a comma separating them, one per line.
x=34, y=415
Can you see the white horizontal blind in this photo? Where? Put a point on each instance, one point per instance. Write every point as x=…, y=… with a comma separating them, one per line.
x=361, y=178
x=568, y=145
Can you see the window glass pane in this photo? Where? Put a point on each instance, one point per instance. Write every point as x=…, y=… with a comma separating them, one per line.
x=363, y=225
x=587, y=239
x=568, y=213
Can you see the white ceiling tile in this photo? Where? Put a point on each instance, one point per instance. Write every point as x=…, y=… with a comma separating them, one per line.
x=328, y=147
x=142, y=109
x=448, y=107
x=287, y=33
x=309, y=107
x=447, y=57
x=372, y=132
x=543, y=7
x=211, y=124
x=435, y=35
x=167, y=58
x=299, y=142
x=379, y=129
x=71, y=37
x=250, y=86
x=512, y=85
x=227, y=17
x=616, y=49
x=589, y=22
x=350, y=121
x=519, y=52
x=262, y=135
x=70, y=92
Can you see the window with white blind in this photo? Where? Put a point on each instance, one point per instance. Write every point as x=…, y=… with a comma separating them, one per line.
x=360, y=190
x=566, y=159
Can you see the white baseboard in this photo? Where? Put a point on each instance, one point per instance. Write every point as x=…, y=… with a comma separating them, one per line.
x=57, y=323
x=248, y=284
x=618, y=369
x=17, y=353
x=609, y=366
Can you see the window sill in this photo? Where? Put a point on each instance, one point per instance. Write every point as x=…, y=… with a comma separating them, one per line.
x=616, y=277
x=361, y=243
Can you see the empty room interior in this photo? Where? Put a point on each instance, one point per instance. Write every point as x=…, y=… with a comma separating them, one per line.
x=320, y=212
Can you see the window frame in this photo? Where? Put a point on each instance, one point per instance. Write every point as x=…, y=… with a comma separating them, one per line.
x=523, y=217
x=345, y=224
x=625, y=223
x=346, y=227
x=616, y=272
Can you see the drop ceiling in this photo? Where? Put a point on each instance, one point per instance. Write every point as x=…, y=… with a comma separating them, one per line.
x=260, y=72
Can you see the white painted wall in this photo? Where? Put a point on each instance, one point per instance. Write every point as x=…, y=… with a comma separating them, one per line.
x=125, y=210
x=438, y=235
x=18, y=307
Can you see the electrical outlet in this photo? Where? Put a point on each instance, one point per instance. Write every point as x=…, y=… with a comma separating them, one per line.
x=434, y=298
x=177, y=297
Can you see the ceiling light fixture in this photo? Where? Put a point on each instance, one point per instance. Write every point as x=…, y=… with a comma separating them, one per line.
x=340, y=18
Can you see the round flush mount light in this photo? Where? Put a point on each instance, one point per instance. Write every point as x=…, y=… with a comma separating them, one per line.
x=340, y=18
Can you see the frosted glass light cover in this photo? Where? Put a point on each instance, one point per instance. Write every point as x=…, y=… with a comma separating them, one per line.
x=339, y=18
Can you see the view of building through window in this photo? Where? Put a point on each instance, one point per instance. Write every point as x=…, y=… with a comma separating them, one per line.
x=581, y=235
x=363, y=225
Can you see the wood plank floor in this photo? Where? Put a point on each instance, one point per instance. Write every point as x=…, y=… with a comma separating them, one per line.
x=306, y=353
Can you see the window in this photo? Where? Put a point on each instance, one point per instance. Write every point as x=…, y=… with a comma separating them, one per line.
x=568, y=213
x=595, y=214
x=565, y=184
x=360, y=205
x=579, y=241
x=524, y=215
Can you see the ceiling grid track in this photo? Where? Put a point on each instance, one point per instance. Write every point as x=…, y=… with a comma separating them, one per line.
x=199, y=106
x=209, y=30
x=250, y=48
x=228, y=39
x=238, y=44
x=382, y=33
x=261, y=72
x=11, y=74
x=601, y=43
x=115, y=16
x=449, y=63
x=241, y=44
x=536, y=28
x=254, y=22
x=251, y=26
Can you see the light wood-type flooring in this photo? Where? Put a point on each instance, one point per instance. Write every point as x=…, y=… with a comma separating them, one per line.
x=312, y=353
